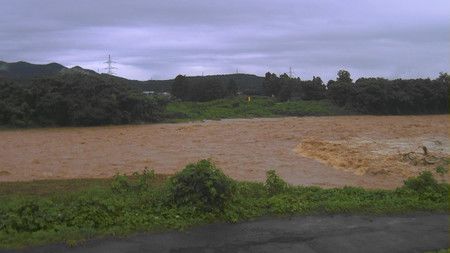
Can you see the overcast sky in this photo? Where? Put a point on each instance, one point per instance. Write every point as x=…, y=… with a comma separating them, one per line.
x=160, y=39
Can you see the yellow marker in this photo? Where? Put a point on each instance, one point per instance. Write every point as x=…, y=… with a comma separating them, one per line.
x=249, y=98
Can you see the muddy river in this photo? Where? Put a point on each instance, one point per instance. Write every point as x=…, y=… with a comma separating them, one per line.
x=368, y=151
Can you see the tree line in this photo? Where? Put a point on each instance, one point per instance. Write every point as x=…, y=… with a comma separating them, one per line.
x=366, y=95
x=383, y=96
x=79, y=99
x=203, y=89
x=75, y=100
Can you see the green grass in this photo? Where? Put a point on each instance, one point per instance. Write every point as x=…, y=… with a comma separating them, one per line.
x=40, y=212
x=239, y=107
x=47, y=188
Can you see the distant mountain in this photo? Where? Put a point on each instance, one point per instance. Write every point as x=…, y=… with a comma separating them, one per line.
x=247, y=83
x=78, y=70
x=24, y=70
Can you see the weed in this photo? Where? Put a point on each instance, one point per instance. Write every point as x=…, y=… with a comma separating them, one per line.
x=441, y=170
x=274, y=184
x=424, y=182
x=138, y=181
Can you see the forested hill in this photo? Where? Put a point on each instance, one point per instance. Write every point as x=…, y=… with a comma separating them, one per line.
x=249, y=84
x=24, y=70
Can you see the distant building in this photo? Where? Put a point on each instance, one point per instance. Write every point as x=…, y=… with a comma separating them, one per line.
x=151, y=92
x=148, y=92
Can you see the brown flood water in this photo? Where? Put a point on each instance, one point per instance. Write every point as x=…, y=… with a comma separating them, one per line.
x=324, y=151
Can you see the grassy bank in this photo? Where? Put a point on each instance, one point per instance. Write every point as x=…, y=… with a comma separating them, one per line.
x=68, y=211
x=240, y=107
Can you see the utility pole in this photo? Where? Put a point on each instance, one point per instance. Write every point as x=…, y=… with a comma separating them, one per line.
x=110, y=67
x=290, y=72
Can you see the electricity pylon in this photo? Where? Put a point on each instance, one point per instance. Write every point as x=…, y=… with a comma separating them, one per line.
x=110, y=67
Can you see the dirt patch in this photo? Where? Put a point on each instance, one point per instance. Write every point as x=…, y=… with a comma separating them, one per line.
x=346, y=150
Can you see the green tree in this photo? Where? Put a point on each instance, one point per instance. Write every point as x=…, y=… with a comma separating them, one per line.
x=232, y=88
x=314, y=89
x=75, y=99
x=271, y=84
x=443, y=78
x=343, y=76
x=180, y=87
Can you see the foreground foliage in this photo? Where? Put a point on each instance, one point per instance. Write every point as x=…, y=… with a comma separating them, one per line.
x=201, y=185
x=199, y=194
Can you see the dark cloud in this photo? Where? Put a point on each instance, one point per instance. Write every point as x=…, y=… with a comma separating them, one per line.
x=159, y=39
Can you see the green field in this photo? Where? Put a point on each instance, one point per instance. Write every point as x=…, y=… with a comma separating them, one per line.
x=240, y=107
x=70, y=211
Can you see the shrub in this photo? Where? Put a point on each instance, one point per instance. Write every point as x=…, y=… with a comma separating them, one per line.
x=30, y=216
x=92, y=212
x=201, y=184
x=441, y=170
x=137, y=182
x=427, y=187
x=120, y=183
x=274, y=184
x=424, y=182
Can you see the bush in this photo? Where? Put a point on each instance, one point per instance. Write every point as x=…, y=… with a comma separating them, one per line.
x=92, y=212
x=201, y=184
x=441, y=170
x=427, y=187
x=137, y=182
x=422, y=183
x=30, y=216
x=274, y=184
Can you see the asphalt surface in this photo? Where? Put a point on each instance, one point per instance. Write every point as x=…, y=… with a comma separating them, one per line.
x=340, y=233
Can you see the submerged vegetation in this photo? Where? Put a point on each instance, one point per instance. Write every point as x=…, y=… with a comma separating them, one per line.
x=199, y=194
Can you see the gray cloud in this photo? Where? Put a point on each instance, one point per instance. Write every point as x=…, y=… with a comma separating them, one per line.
x=159, y=39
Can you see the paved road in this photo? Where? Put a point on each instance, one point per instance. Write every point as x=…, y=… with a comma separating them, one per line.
x=408, y=233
